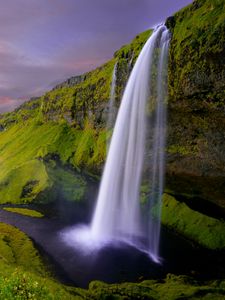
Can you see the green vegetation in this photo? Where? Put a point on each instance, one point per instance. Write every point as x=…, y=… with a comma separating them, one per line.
x=23, y=276
x=197, y=48
x=17, y=250
x=204, y=230
x=23, y=285
x=66, y=185
x=172, y=288
x=24, y=211
x=44, y=141
x=22, y=272
x=80, y=98
x=28, y=110
x=177, y=149
x=196, y=124
x=29, y=156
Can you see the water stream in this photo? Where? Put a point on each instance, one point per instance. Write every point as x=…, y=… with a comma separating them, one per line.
x=138, y=139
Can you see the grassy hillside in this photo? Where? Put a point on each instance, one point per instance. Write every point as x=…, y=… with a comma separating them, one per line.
x=82, y=97
x=65, y=127
x=206, y=231
x=22, y=272
x=27, y=167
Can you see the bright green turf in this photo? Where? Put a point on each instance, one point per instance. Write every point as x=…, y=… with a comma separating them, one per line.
x=24, y=211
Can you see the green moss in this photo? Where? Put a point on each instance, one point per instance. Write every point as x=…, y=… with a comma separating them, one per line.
x=22, y=272
x=90, y=148
x=172, y=288
x=178, y=149
x=17, y=250
x=99, y=290
x=24, y=211
x=196, y=126
x=145, y=193
x=22, y=285
x=15, y=185
x=23, y=276
x=67, y=125
x=24, y=153
x=80, y=97
x=66, y=185
x=28, y=110
x=206, y=231
x=196, y=66
x=85, y=96
x=133, y=49
x=184, y=287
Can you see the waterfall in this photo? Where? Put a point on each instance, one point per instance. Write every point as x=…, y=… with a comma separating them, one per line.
x=111, y=109
x=117, y=214
x=136, y=154
x=157, y=162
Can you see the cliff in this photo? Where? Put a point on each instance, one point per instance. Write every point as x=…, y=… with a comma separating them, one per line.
x=46, y=142
x=196, y=134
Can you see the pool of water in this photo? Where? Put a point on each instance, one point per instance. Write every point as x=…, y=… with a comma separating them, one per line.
x=115, y=262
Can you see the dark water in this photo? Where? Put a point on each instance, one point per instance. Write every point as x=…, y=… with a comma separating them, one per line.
x=114, y=263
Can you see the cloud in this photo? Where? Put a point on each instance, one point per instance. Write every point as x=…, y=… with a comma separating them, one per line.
x=45, y=41
x=7, y=104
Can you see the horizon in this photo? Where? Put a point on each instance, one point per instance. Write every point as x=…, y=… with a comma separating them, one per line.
x=42, y=45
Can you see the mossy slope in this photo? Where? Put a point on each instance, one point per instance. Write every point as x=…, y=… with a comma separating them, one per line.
x=22, y=272
x=206, y=231
x=29, y=157
x=172, y=288
x=48, y=138
x=83, y=97
x=25, y=212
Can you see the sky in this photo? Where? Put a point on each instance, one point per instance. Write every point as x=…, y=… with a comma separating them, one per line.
x=44, y=42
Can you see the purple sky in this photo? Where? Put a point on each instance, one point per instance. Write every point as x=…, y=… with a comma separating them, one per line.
x=43, y=42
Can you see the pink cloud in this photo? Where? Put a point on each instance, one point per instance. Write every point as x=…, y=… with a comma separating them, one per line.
x=6, y=100
x=8, y=104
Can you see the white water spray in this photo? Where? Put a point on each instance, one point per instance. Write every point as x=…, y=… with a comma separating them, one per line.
x=118, y=213
x=157, y=162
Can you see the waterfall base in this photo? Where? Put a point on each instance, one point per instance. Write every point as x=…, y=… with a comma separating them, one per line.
x=81, y=237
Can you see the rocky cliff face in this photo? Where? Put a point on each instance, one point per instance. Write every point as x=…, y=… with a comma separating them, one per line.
x=196, y=141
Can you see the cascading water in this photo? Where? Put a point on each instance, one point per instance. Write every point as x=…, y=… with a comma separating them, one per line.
x=139, y=133
x=117, y=214
x=157, y=162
